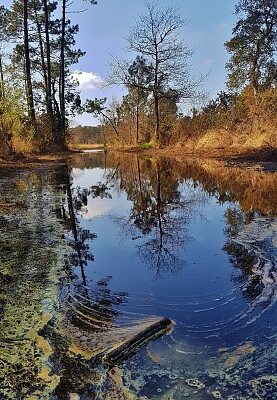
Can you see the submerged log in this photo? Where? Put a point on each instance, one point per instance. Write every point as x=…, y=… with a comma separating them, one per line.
x=124, y=349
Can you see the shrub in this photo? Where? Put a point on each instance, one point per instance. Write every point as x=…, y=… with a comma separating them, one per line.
x=146, y=145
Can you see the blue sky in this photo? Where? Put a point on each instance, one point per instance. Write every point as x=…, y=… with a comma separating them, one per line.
x=102, y=27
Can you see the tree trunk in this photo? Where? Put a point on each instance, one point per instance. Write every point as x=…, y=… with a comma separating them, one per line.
x=46, y=75
x=5, y=136
x=110, y=121
x=137, y=123
x=29, y=88
x=49, y=78
x=62, y=75
x=41, y=51
x=156, y=98
x=2, y=85
x=157, y=118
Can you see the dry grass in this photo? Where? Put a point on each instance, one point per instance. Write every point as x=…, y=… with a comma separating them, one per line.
x=21, y=146
x=223, y=142
x=82, y=146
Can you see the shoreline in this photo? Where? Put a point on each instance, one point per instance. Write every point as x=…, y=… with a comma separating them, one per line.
x=264, y=154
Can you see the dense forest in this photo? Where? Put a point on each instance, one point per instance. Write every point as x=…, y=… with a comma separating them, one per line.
x=38, y=98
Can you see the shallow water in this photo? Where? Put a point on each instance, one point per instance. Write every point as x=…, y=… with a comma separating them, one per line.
x=93, y=250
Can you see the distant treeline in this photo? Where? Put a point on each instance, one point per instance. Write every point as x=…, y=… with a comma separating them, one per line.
x=85, y=135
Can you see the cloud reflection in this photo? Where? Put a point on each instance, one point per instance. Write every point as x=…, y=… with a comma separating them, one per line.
x=96, y=208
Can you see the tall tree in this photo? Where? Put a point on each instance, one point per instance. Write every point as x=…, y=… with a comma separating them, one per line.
x=29, y=87
x=155, y=37
x=49, y=72
x=2, y=84
x=44, y=58
x=62, y=69
x=63, y=64
x=253, y=46
x=2, y=24
x=39, y=29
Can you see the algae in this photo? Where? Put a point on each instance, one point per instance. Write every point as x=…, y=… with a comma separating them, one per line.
x=30, y=261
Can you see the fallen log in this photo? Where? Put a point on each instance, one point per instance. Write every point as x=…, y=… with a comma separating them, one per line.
x=125, y=348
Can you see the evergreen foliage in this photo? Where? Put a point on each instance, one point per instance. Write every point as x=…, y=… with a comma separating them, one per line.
x=253, y=46
x=41, y=45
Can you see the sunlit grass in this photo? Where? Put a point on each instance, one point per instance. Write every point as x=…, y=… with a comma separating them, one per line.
x=82, y=146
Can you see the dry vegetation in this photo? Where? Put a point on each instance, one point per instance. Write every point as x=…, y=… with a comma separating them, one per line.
x=245, y=124
x=84, y=146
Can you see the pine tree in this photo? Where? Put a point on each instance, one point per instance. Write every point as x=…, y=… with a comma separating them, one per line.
x=253, y=46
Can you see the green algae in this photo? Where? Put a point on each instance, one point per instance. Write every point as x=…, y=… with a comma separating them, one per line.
x=30, y=261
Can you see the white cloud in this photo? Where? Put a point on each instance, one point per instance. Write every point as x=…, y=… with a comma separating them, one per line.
x=97, y=207
x=87, y=80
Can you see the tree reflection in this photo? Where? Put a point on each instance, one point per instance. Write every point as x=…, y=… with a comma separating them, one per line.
x=159, y=214
x=236, y=219
x=156, y=216
x=95, y=296
x=44, y=299
x=241, y=259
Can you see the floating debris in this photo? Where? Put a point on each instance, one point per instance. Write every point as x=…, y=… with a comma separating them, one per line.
x=194, y=382
x=216, y=394
x=129, y=345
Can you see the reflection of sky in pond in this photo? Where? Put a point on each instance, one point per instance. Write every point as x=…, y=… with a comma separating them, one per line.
x=203, y=293
x=96, y=206
x=148, y=240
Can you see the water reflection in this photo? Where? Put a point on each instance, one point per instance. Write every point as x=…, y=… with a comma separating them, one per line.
x=158, y=215
x=213, y=336
x=191, y=240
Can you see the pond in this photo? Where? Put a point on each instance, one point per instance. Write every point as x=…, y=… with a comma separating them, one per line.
x=96, y=250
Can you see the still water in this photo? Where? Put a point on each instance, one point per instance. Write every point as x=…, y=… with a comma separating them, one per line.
x=94, y=250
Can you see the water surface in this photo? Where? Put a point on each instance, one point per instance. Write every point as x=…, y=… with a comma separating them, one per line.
x=94, y=249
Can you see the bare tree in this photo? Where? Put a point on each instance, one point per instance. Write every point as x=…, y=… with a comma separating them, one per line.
x=155, y=37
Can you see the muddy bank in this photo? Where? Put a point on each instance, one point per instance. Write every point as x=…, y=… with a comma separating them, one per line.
x=23, y=161
x=268, y=154
x=260, y=154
